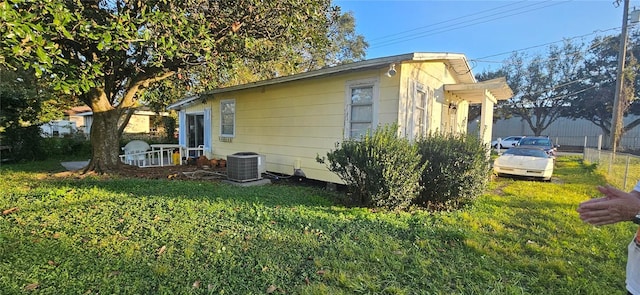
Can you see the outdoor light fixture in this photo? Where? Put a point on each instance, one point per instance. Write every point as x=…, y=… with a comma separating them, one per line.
x=392, y=70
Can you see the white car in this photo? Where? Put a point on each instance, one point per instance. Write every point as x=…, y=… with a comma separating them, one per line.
x=507, y=142
x=525, y=161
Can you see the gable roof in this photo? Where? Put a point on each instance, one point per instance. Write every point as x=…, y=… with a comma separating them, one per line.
x=457, y=61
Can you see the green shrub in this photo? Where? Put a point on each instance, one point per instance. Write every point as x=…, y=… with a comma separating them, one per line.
x=76, y=145
x=25, y=144
x=169, y=124
x=379, y=169
x=457, y=173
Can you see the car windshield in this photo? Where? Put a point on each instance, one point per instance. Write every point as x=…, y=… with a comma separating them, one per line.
x=535, y=141
x=526, y=152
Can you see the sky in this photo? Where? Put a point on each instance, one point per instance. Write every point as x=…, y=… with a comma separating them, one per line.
x=486, y=32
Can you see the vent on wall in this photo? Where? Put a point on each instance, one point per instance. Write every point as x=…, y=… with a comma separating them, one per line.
x=245, y=166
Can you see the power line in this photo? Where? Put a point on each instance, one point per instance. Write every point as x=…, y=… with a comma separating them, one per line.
x=468, y=23
x=480, y=59
x=594, y=45
x=407, y=35
x=444, y=22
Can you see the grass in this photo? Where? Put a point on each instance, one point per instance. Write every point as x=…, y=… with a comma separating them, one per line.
x=134, y=236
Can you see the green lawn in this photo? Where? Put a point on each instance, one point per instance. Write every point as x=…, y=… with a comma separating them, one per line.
x=134, y=236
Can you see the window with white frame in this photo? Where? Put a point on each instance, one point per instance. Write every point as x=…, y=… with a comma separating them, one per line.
x=362, y=97
x=228, y=118
x=420, y=111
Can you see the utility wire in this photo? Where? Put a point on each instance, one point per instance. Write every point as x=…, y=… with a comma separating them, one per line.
x=395, y=35
x=399, y=38
x=541, y=45
x=409, y=35
x=465, y=24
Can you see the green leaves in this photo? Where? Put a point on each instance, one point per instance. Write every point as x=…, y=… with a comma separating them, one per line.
x=113, y=47
x=42, y=56
x=380, y=169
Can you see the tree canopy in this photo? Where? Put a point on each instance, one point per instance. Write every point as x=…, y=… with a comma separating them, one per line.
x=542, y=84
x=595, y=87
x=573, y=81
x=108, y=52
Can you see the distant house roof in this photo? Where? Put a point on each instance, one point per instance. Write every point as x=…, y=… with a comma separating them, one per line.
x=458, y=62
x=86, y=111
x=77, y=110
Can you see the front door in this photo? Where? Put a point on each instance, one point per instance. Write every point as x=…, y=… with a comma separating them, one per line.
x=195, y=132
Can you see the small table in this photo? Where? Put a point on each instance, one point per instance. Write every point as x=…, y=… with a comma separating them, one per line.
x=168, y=148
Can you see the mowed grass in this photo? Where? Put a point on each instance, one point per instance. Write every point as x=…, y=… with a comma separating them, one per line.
x=135, y=236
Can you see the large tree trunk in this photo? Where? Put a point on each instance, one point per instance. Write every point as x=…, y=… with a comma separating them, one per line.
x=105, y=136
x=105, y=129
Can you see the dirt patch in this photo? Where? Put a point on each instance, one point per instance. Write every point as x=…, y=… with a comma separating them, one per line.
x=166, y=172
x=175, y=172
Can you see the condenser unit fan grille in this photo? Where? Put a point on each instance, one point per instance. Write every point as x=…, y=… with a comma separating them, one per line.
x=242, y=167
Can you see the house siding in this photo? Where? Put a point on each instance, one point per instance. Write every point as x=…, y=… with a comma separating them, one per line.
x=293, y=122
x=138, y=124
x=432, y=75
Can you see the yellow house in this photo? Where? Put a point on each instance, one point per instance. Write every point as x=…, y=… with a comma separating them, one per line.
x=292, y=119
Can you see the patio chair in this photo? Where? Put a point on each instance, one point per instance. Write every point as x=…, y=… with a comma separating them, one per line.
x=135, y=152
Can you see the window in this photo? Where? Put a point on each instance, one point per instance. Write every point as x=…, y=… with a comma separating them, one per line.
x=362, y=106
x=419, y=107
x=420, y=118
x=227, y=118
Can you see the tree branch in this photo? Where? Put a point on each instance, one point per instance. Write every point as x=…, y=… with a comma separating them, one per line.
x=128, y=99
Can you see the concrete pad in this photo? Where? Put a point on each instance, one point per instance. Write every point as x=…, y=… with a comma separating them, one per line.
x=73, y=166
x=249, y=183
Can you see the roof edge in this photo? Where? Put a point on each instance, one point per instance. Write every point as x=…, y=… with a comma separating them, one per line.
x=359, y=65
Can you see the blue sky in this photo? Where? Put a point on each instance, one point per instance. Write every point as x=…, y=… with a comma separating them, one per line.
x=487, y=32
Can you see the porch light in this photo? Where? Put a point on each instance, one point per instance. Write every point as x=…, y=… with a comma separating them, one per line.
x=392, y=70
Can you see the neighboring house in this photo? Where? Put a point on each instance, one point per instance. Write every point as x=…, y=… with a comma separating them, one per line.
x=58, y=128
x=81, y=116
x=293, y=119
x=141, y=122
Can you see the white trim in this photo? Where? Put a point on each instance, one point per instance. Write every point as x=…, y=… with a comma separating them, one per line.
x=208, y=147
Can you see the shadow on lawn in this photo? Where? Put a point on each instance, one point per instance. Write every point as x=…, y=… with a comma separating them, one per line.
x=283, y=192
x=59, y=266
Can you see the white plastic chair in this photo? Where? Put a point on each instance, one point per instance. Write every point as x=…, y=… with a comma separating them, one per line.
x=136, y=152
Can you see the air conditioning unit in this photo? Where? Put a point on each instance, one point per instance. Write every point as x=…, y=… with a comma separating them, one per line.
x=245, y=166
